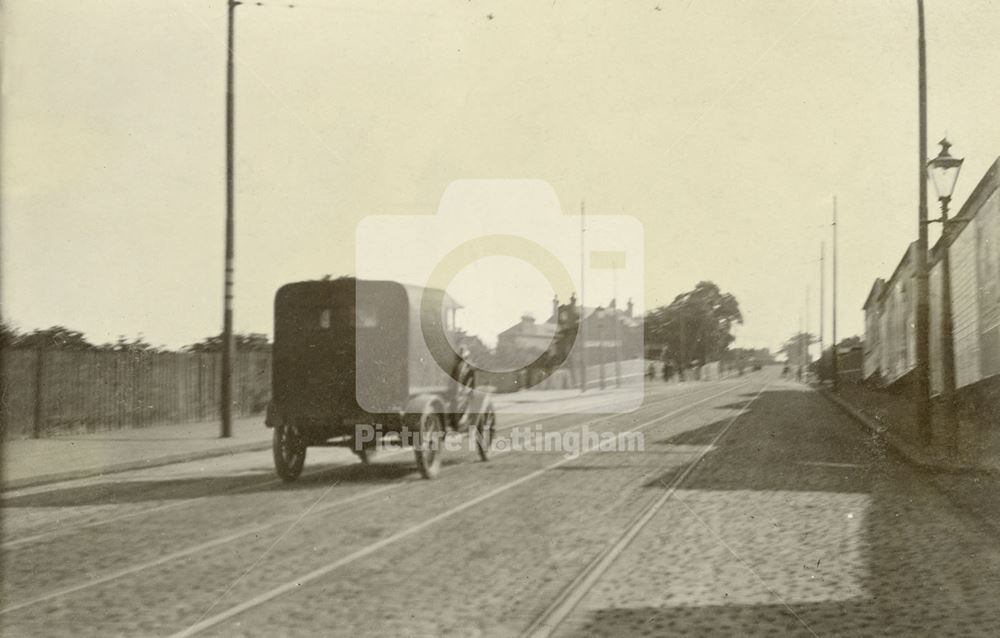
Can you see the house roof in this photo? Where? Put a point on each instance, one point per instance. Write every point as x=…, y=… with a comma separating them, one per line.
x=548, y=329
x=531, y=329
x=587, y=311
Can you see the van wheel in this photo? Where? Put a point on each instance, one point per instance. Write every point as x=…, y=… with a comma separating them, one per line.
x=289, y=452
x=428, y=441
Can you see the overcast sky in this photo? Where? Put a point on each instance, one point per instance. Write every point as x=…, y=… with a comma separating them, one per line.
x=725, y=127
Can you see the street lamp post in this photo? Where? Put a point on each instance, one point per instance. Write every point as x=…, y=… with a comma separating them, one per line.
x=944, y=171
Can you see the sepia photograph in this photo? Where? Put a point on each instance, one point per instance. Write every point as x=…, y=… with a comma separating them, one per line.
x=520, y=318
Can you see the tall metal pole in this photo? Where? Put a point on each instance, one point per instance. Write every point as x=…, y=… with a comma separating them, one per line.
x=807, y=329
x=683, y=355
x=822, y=300
x=227, y=304
x=947, y=330
x=835, y=366
x=618, y=335
x=923, y=379
x=581, y=325
x=801, y=354
x=600, y=348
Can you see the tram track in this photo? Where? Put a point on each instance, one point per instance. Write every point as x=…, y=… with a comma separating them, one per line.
x=66, y=529
x=302, y=580
x=362, y=496
x=549, y=621
x=254, y=530
x=69, y=528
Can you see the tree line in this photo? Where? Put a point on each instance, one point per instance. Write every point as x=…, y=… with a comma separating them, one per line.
x=695, y=328
x=67, y=339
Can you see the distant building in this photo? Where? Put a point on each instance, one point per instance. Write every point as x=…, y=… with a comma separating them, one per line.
x=527, y=336
x=556, y=341
x=602, y=335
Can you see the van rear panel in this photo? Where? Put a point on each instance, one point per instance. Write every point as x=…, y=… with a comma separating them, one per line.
x=321, y=328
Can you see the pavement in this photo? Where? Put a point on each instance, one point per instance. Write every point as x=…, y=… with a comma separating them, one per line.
x=894, y=417
x=754, y=507
x=971, y=479
x=28, y=462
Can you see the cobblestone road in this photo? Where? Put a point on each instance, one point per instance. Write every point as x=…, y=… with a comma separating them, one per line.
x=792, y=522
x=798, y=524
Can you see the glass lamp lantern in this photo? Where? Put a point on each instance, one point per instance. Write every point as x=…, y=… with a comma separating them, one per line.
x=944, y=171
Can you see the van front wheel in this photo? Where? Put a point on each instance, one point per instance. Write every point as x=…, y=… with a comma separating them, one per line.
x=429, y=440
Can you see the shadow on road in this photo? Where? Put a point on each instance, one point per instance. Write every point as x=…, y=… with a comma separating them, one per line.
x=783, y=442
x=799, y=523
x=263, y=480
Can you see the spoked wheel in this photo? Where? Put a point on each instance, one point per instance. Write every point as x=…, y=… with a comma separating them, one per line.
x=485, y=428
x=428, y=441
x=289, y=452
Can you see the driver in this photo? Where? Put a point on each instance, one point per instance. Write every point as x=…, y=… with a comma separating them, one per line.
x=464, y=381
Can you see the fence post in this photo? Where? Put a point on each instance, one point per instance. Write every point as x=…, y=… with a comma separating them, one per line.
x=36, y=426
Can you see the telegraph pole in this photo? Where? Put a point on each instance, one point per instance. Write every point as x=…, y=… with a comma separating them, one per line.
x=618, y=333
x=600, y=348
x=683, y=358
x=822, y=300
x=580, y=325
x=923, y=380
x=808, y=344
x=802, y=355
x=227, y=302
x=835, y=368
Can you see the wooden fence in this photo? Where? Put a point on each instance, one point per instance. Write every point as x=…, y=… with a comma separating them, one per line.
x=51, y=392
